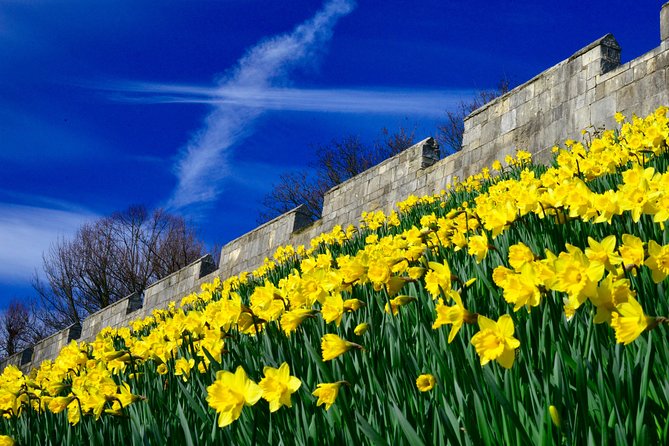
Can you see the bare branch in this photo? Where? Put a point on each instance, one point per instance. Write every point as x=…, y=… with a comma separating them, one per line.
x=335, y=163
x=449, y=133
x=15, y=328
x=110, y=259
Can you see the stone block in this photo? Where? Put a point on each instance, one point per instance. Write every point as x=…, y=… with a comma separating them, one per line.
x=651, y=65
x=517, y=99
x=664, y=22
x=430, y=153
x=591, y=83
x=508, y=122
x=556, y=113
x=628, y=97
x=525, y=113
x=494, y=111
x=590, y=56
x=593, y=69
x=504, y=105
x=662, y=60
x=581, y=118
x=589, y=97
x=574, y=68
x=654, y=83
x=602, y=110
x=489, y=131
x=506, y=141
x=600, y=91
x=539, y=84
x=627, y=76
x=543, y=102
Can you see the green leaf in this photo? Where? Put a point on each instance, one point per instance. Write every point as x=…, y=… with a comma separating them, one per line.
x=369, y=431
x=196, y=406
x=509, y=410
x=184, y=425
x=407, y=429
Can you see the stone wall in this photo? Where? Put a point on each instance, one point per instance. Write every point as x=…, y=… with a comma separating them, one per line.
x=49, y=347
x=583, y=91
x=247, y=252
x=120, y=313
x=176, y=285
x=550, y=107
x=380, y=186
x=112, y=316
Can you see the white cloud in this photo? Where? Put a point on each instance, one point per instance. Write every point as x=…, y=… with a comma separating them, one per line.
x=415, y=102
x=203, y=161
x=27, y=231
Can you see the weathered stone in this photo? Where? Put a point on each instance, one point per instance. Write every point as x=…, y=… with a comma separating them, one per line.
x=508, y=122
x=602, y=110
x=664, y=22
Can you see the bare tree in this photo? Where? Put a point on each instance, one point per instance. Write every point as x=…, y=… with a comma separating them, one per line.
x=110, y=259
x=342, y=159
x=335, y=163
x=449, y=134
x=394, y=143
x=15, y=328
x=292, y=190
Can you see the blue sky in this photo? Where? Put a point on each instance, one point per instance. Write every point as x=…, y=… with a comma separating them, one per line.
x=199, y=105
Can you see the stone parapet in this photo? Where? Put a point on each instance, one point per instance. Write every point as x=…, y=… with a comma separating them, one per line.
x=379, y=187
x=248, y=252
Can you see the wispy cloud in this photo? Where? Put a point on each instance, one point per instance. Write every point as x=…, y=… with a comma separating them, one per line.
x=416, y=102
x=202, y=164
x=27, y=231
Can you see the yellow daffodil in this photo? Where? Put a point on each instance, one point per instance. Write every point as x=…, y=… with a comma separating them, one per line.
x=183, y=366
x=333, y=309
x=230, y=392
x=658, y=260
x=576, y=275
x=327, y=393
x=290, y=320
x=334, y=346
x=519, y=255
x=416, y=272
x=495, y=341
x=394, y=305
x=603, y=252
x=74, y=413
x=631, y=251
x=454, y=315
x=60, y=403
x=361, y=329
x=612, y=291
x=353, y=304
x=629, y=321
x=478, y=246
x=438, y=279
x=555, y=415
x=278, y=386
x=425, y=382
x=379, y=273
x=520, y=288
